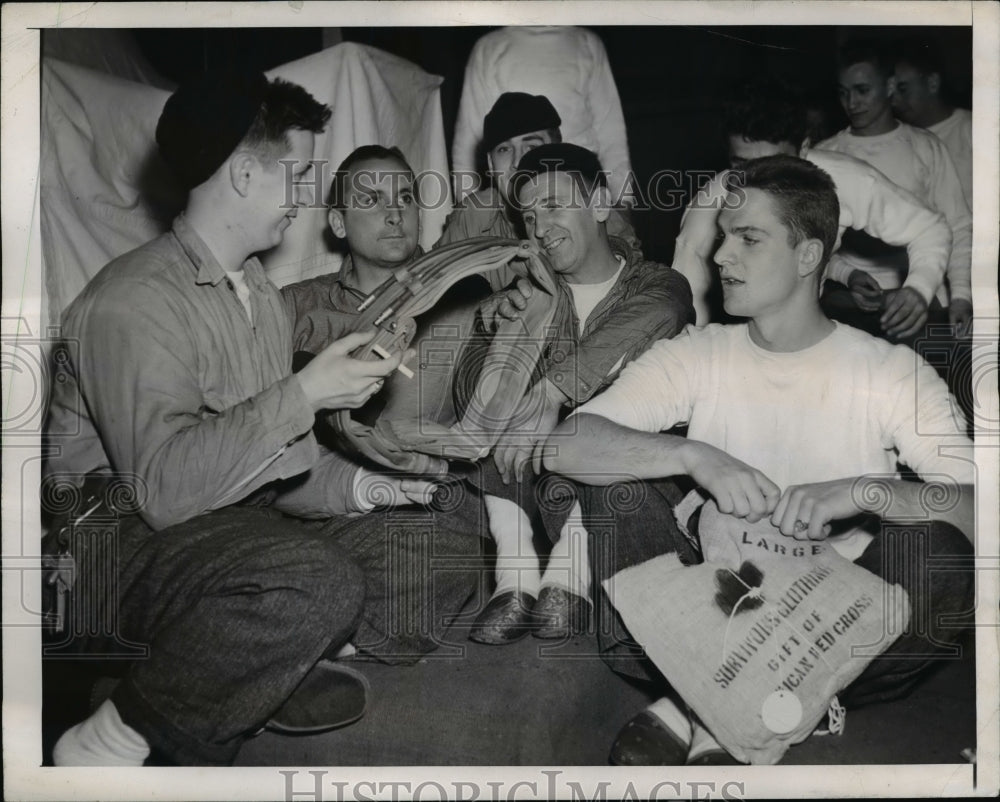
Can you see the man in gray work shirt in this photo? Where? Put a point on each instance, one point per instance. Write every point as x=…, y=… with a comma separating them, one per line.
x=182, y=386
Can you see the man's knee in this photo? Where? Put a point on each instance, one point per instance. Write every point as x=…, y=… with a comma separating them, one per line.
x=310, y=568
x=326, y=569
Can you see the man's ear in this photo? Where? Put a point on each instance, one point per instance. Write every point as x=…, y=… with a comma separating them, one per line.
x=335, y=218
x=600, y=204
x=934, y=82
x=890, y=85
x=242, y=166
x=810, y=253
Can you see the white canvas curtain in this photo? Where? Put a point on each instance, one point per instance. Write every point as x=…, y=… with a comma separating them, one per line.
x=105, y=191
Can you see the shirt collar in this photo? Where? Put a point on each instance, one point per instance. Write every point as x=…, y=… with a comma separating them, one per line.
x=499, y=212
x=209, y=271
x=347, y=270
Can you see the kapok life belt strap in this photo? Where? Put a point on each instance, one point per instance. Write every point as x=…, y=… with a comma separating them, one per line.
x=423, y=447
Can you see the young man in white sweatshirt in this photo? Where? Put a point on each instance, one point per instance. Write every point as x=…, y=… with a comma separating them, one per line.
x=791, y=417
x=911, y=157
x=920, y=100
x=770, y=123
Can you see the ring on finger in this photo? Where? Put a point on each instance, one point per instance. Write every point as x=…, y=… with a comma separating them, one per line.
x=801, y=526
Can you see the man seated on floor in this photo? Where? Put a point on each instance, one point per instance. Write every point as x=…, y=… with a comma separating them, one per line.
x=374, y=210
x=181, y=387
x=914, y=159
x=767, y=121
x=791, y=416
x=517, y=123
x=612, y=304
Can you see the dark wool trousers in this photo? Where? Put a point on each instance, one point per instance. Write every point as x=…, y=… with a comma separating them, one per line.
x=233, y=608
x=632, y=522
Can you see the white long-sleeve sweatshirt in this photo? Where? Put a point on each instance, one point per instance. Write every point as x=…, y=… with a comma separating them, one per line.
x=566, y=64
x=918, y=161
x=869, y=202
x=956, y=133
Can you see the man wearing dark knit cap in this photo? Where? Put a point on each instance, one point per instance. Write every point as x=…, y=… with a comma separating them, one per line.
x=517, y=124
x=180, y=385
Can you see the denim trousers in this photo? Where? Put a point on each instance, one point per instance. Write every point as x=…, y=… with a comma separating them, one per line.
x=222, y=616
x=632, y=522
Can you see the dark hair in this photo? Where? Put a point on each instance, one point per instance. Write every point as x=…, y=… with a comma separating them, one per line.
x=286, y=106
x=864, y=50
x=337, y=197
x=580, y=164
x=765, y=112
x=805, y=197
x=919, y=53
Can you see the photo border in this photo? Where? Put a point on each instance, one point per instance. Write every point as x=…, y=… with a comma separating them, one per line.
x=23, y=318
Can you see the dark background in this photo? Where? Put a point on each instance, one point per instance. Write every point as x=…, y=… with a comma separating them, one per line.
x=672, y=80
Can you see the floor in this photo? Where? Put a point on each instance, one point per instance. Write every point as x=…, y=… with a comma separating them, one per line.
x=933, y=725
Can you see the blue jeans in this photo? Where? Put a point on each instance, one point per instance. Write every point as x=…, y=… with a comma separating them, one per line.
x=931, y=560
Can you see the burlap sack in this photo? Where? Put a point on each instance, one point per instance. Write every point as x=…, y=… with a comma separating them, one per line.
x=759, y=641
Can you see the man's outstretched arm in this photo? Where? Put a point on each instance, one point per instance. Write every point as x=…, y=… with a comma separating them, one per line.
x=594, y=450
x=804, y=511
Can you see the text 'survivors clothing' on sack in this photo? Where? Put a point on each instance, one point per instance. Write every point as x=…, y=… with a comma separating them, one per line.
x=760, y=637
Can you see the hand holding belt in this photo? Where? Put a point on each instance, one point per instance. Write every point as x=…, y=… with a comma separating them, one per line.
x=421, y=447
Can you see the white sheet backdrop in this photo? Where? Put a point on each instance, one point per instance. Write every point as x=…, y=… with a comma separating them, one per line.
x=105, y=191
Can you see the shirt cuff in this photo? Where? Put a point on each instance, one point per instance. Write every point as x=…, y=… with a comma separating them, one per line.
x=360, y=501
x=922, y=285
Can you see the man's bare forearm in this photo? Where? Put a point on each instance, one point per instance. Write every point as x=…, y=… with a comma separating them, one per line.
x=596, y=451
x=899, y=500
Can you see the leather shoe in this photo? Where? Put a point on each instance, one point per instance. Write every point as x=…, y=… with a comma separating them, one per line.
x=331, y=695
x=647, y=741
x=714, y=757
x=505, y=619
x=560, y=614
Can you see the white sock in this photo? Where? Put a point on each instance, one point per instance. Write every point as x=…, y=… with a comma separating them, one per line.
x=675, y=719
x=347, y=650
x=101, y=740
x=517, y=561
x=702, y=740
x=569, y=565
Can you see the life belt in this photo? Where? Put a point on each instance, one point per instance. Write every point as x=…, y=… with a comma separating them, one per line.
x=424, y=447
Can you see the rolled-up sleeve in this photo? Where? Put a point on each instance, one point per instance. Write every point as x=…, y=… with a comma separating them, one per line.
x=325, y=489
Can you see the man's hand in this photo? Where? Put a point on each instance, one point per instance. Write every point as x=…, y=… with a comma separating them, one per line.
x=737, y=488
x=388, y=490
x=506, y=304
x=333, y=380
x=905, y=312
x=805, y=511
x=515, y=449
x=865, y=290
x=960, y=316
